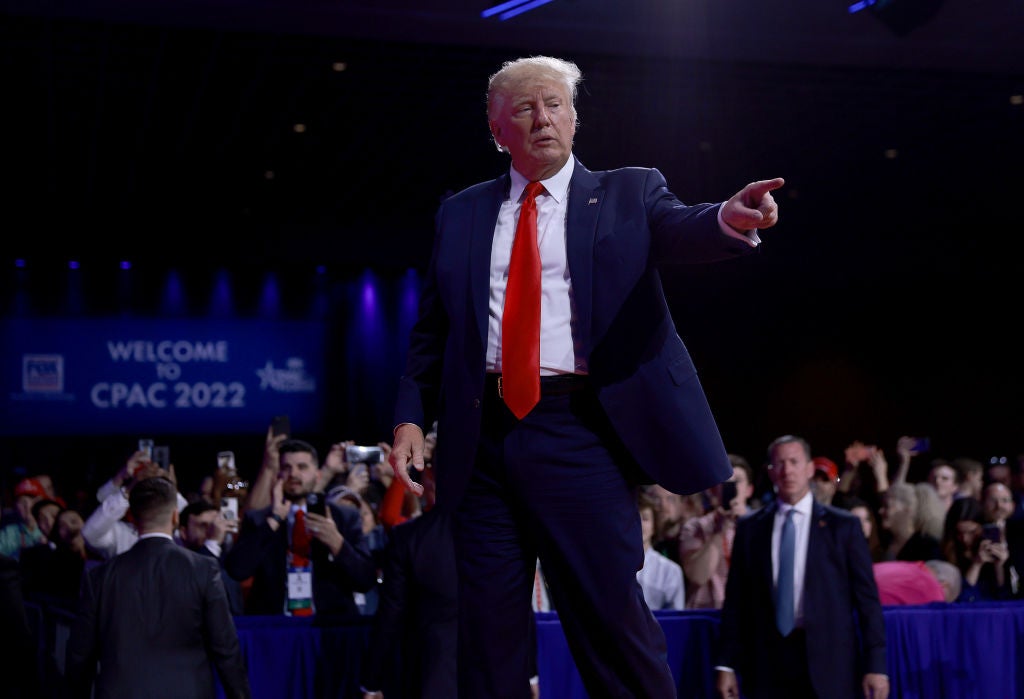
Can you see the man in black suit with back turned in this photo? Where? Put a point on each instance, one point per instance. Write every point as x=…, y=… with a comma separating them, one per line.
x=155, y=619
x=545, y=348
x=800, y=583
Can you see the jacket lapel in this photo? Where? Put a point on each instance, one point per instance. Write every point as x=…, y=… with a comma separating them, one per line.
x=481, y=236
x=585, y=200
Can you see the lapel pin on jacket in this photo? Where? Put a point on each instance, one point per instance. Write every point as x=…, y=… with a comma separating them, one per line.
x=593, y=200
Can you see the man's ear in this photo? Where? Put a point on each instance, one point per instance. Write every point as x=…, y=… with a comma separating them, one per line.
x=496, y=132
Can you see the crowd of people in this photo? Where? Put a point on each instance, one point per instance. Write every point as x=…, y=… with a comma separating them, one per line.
x=937, y=529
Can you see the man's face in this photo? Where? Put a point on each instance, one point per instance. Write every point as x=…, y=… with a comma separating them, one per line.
x=791, y=471
x=943, y=478
x=998, y=502
x=69, y=525
x=534, y=119
x=299, y=473
x=824, y=486
x=196, y=532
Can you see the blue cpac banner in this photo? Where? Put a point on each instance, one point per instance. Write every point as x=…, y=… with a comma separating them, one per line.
x=111, y=376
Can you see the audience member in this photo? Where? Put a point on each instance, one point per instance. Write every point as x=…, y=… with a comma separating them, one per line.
x=259, y=495
x=660, y=578
x=826, y=480
x=155, y=620
x=24, y=531
x=980, y=559
x=869, y=525
x=946, y=481
x=865, y=475
x=301, y=562
x=669, y=515
x=902, y=538
x=917, y=582
x=108, y=530
x=376, y=540
x=800, y=584
x=971, y=477
x=203, y=529
x=705, y=544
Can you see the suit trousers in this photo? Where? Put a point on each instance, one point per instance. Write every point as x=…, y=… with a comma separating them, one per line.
x=791, y=678
x=553, y=485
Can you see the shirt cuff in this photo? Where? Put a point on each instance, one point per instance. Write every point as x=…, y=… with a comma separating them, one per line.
x=750, y=237
x=724, y=668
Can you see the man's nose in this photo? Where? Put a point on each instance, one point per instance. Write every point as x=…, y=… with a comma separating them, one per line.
x=542, y=117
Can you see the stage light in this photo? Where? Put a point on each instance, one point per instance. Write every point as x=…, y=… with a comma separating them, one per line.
x=901, y=16
x=73, y=264
x=508, y=10
x=125, y=264
x=20, y=264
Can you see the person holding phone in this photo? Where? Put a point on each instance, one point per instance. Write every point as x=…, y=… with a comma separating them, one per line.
x=304, y=555
x=705, y=544
x=107, y=529
x=976, y=547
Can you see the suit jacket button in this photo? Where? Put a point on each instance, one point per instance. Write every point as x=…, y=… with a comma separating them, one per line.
x=476, y=402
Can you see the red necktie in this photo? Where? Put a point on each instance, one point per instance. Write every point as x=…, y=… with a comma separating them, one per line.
x=301, y=539
x=520, y=320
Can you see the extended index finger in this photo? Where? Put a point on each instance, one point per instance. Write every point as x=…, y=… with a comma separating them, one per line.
x=757, y=190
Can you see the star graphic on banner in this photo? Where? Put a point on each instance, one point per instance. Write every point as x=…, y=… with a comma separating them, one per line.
x=266, y=374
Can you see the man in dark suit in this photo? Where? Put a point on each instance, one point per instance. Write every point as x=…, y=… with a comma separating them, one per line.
x=559, y=383
x=791, y=614
x=416, y=624
x=337, y=565
x=155, y=619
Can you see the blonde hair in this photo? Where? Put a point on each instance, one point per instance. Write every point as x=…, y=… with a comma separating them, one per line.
x=512, y=72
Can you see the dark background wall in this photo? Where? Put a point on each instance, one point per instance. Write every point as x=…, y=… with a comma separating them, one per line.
x=885, y=303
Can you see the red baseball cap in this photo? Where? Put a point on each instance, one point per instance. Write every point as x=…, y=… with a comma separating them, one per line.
x=30, y=487
x=826, y=466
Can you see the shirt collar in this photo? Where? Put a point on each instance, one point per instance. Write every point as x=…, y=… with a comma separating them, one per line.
x=803, y=505
x=557, y=186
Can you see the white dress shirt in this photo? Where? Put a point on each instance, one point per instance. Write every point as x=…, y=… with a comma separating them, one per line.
x=557, y=352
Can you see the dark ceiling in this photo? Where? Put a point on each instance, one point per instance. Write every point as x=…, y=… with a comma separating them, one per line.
x=170, y=127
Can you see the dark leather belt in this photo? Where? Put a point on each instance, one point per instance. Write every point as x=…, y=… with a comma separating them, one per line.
x=556, y=385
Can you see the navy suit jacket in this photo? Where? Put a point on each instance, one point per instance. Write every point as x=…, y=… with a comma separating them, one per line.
x=840, y=595
x=155, y=622
x=261, y=553
x=621, y=225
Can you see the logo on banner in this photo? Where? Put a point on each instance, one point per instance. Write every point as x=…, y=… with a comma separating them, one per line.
x=42, y=373
x=42, y=378
x=291, y=379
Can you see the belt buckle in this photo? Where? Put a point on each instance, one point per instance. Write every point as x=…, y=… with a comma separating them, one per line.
x=501, y=391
